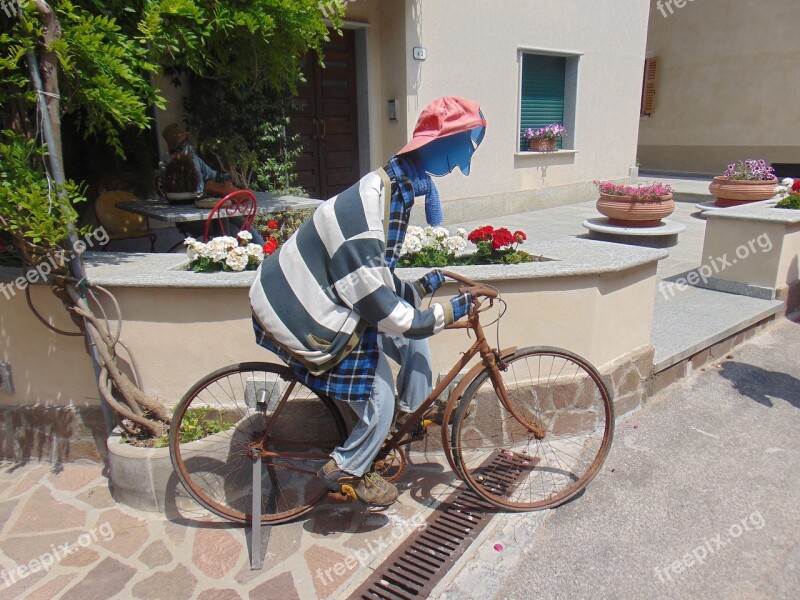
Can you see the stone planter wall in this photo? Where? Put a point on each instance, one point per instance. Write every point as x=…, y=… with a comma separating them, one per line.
x=754, y=250
x=593, y=298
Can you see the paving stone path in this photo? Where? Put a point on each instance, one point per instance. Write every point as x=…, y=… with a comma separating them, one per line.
x=62, y=536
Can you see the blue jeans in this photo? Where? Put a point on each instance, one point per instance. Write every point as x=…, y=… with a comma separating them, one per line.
x=375, y=416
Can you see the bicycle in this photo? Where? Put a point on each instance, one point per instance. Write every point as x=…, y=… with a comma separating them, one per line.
x=530, y=429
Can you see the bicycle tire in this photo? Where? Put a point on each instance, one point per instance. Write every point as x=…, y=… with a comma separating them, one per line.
x=216, y=469
x=498, y=456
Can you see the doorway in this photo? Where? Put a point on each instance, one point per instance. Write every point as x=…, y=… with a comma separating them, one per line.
x=326, y=118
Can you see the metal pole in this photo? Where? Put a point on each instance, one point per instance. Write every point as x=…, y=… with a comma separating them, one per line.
x=76, y=264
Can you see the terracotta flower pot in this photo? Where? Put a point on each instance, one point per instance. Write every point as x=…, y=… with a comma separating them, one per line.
x=545, y=145
x=626, y=211
x=733, y=192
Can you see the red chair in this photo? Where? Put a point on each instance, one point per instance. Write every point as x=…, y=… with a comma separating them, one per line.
x=241, y=203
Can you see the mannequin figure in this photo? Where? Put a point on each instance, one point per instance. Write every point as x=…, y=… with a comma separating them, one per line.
x=339, y=343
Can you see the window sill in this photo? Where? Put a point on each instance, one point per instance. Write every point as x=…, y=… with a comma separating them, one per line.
x=556, y=153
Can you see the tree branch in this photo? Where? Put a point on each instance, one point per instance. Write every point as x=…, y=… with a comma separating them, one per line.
x=48, y=64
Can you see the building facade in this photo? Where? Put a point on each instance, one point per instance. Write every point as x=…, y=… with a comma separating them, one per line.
x=725, y=86
x=526, y=62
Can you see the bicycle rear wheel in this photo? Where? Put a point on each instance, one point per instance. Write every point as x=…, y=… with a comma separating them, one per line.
x=495, y=449
x=228, y=413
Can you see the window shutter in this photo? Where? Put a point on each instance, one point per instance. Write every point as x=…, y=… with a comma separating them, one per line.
x=542, y=101
x=649, y=86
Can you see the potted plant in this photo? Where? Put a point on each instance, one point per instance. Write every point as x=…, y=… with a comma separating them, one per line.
x=545, y=139
x=744, y=181
x=789, y=191
x=635, y=206
x=181, y=179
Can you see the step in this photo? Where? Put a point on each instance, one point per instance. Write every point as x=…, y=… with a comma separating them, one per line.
x=689, y=321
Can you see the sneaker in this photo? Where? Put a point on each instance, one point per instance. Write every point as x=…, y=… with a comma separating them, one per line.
x=370, y=489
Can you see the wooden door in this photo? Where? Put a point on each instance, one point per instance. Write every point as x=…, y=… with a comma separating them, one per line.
x=326, y=117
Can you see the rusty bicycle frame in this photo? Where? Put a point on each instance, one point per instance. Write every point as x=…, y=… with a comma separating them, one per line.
x=491, y=358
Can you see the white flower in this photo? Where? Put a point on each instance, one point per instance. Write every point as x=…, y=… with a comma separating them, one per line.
x=411, y=244
x=193, y=248
x=788, y=182
x=455, y=244
x=255, y=251
x=440, y=233
x=781, y=190
x=237, y=259
x=414, y=231
x=245, y=235
x=461, y=232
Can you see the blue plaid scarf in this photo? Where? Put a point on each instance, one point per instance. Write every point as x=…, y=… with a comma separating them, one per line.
x=407, y=166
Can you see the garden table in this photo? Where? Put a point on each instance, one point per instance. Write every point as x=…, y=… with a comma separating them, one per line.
x=161, y=210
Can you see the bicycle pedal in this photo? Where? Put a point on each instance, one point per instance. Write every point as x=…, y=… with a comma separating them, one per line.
x=349, y=491
x=338, y=497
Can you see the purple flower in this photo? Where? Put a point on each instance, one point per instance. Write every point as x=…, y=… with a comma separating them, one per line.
x=750, y=170
x=549, y=132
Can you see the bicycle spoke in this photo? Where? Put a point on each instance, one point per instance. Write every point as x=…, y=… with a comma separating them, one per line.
x=222, y=421
x=501, y=459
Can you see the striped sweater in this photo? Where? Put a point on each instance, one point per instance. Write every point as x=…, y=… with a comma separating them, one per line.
x=329, y=282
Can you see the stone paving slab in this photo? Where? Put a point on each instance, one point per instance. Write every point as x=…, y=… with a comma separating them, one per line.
x=63, y=537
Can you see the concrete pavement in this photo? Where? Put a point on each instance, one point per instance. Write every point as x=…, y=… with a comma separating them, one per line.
x=698, y=498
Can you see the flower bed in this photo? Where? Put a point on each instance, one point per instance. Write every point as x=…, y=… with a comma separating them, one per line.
x=789, y=191
x=435, y=247
x=224, y=253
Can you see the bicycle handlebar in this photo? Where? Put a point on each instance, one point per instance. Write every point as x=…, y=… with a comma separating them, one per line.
x=476, y=289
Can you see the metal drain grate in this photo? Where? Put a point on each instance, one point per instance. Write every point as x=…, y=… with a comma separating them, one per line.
x=414, y=569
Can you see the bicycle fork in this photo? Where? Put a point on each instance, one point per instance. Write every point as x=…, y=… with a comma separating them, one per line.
x=496, y=364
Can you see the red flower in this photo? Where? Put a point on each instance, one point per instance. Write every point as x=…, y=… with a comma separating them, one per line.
x=271, y=245
x=502, y=237
x=796, y=186
x=520, y=236
x=481, y=234
x=273, y=224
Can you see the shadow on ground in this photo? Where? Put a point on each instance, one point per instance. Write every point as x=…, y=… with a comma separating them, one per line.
x=761, y=385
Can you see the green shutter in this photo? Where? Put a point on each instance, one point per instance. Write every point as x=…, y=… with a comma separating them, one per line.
x=542, y=92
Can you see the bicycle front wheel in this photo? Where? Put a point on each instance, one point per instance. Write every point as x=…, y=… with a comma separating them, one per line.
x=542, y=447
x=252, y=409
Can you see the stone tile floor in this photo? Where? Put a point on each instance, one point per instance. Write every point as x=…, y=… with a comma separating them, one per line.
x=63, y=537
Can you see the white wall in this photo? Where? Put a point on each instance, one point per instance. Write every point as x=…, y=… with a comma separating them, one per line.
x=473, y=52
